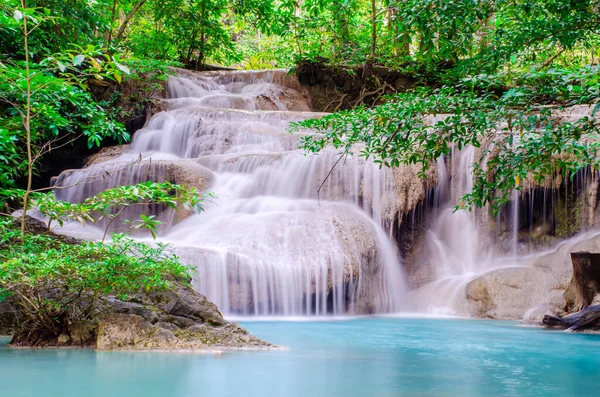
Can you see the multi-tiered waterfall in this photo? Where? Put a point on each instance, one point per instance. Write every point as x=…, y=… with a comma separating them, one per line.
x=267, y=244
x=290, y=234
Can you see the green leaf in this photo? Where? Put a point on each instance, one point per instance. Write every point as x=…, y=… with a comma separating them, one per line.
x=122, y=68
x=78, y=60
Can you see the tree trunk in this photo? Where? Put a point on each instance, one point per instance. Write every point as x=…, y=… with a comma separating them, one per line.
x=128, y=18
x=373, y=28
x=27, y=122
x=587, y=318
x=200, y=62
x=112, y=21
x=585, y=283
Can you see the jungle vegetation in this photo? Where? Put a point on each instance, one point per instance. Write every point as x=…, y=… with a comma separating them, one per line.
x=502, y=70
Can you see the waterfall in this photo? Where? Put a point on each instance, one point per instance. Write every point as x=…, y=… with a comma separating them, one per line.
x=456, y=245
x=269, y=244
x=484, y=266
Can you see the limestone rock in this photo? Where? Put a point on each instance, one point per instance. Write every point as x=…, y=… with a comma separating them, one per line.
x=106, y=154
x=179, y=319
x=510, y=293
x=169, y=326
x=172, y=320
x=108, y=175
x=119, y=331
x=132, y=332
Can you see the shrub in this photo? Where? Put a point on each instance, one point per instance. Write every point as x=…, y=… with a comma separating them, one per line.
x=56, y=284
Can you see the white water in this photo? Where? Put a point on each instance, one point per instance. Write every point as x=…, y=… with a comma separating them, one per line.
x=266, y=245
x=455, y=243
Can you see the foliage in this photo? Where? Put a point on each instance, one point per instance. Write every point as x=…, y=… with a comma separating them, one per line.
x=46, y=105
x=514, y=137
x=57, y=284
x=107, y=206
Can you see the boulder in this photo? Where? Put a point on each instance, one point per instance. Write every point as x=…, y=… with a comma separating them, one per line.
x=511, y=293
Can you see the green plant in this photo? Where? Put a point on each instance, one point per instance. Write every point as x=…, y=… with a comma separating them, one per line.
x=107, y=206
x=518, y=137
x=56, y=284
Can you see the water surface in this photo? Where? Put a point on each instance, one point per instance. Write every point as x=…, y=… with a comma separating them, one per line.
x=361, y=357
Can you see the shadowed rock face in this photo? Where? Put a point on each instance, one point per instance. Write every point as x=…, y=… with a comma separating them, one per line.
x=181, y=319
x=8, y=318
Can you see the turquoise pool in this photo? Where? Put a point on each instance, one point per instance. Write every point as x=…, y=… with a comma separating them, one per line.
x=361, y=357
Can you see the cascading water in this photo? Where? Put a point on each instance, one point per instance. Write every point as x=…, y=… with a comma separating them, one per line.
x=455, y=244
x=265, y=245
x=287, y=234
x=479, y=265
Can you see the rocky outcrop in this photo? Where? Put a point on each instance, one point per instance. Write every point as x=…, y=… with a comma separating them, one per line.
x=511, y=293
x=133, y=332
x=106, y=154
x=179, y=319
x=545, y=285
x=333, y=88
x=107, y=175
